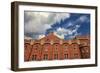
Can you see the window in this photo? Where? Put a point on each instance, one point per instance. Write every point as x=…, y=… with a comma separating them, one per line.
x=65, y=56
x=75, y=46
x=65, y=47
x=34, y=57
x=55, y=56
x=36, y=47
x=45, y=57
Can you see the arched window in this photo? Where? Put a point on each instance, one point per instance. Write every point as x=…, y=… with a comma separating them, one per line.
x=36, y=46
x=45, y=56
x=34, y=57
x=75, y=45
x=65, y=47
x=55, y=56
x=65, y=56
x=46, y=46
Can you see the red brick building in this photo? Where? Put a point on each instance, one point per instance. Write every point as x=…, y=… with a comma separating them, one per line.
x=52, y=47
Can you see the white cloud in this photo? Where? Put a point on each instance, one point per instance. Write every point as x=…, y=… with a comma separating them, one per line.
x=41, y=36
x=65, y=32
x=25, y=37
x=39, y=22
x=60, y=36
x=83, y=18
x=70, y=24
x=72, y=32
x=61, y=16
x=62, y=31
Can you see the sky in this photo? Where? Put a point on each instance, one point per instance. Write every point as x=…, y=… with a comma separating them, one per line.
x=65, y=25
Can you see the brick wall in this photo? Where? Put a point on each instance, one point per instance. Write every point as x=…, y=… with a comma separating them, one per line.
x=53, y=48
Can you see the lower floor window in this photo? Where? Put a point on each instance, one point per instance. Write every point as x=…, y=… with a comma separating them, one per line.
x=34, y=57
x=55, y=56
x=45, y=56
x=65, y=56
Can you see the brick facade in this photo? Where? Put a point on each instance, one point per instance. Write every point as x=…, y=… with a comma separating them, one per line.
x=53, y=48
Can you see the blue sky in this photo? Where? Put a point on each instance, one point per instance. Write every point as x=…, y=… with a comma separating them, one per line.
x=65, y=25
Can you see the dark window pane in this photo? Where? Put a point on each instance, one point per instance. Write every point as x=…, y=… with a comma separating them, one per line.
x=45, y=57
x=34, y=57
x=65, y=56
x=55, y=56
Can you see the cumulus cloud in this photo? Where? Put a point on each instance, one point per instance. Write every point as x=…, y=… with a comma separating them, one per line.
x=83, y=18
x=63, y=31
x=60, y=16
x=70, y=24
x=36, y=24
x=68, y=32
x=39, y=22
x=26, y=37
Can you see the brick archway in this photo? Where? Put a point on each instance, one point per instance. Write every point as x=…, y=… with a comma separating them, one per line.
x=57, y=52
x=46, y=51
x=35, y=52
x=66, y=51
x=75, y=51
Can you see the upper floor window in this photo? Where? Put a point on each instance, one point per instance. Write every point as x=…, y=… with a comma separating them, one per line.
x=36, y=46
x=75, y=46
x=65, y=47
